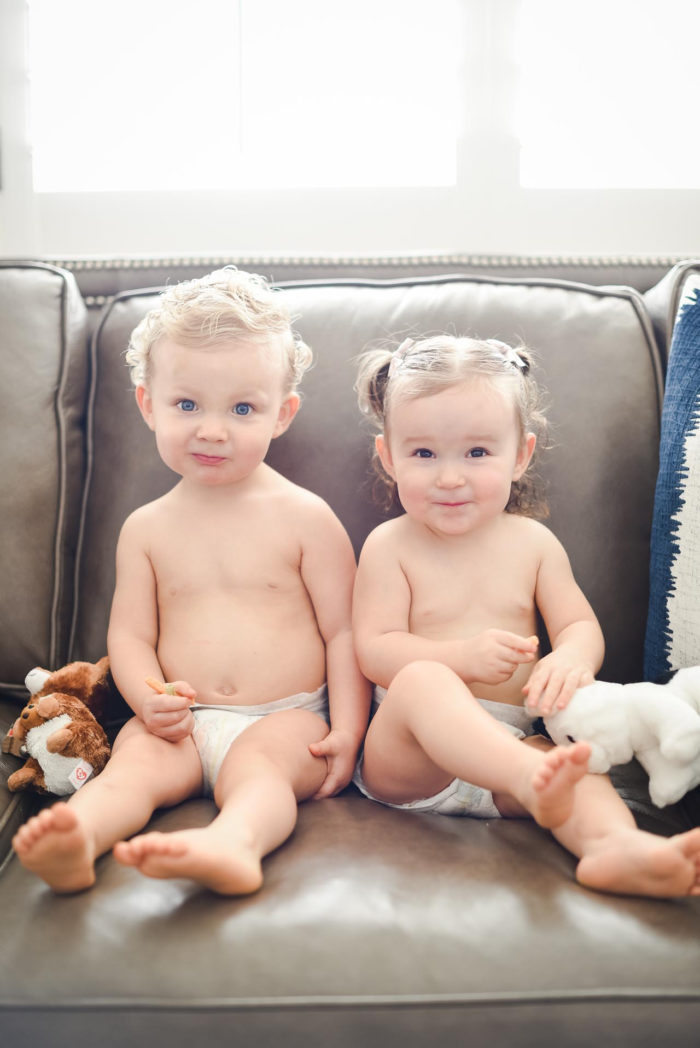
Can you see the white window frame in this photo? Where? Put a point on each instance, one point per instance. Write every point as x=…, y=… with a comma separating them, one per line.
x=487, y=212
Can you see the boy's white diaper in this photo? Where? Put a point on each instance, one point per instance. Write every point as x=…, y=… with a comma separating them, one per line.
x=216, y=727
x=458, y=798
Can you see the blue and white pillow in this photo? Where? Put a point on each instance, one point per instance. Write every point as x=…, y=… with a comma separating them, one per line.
x=673, y=625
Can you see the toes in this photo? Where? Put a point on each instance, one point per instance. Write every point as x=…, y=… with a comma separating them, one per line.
x=580, y=752
x=63, y=817
x=689, y=844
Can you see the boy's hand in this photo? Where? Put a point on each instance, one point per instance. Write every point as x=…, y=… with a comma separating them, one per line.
x=493, y=656
x=340, y=750
x=554, y=680
x=166, y=711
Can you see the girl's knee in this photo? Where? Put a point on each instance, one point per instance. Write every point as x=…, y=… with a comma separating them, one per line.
x=422, y=679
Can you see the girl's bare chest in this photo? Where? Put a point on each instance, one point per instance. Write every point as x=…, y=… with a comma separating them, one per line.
x=488, y=587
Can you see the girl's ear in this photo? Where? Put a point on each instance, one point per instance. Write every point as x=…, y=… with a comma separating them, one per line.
x=525, y=453
x=384, y=454
x=289, y=408
x=143, y=399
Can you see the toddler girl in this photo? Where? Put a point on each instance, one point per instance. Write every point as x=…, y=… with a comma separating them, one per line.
x=445, y=614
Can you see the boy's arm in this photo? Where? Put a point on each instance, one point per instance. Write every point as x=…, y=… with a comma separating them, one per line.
x=328, y=572
x=574, y=632
x=133, y=636
x=384, y=643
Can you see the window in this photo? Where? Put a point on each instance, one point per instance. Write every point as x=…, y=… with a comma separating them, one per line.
x=220, y=94
x=349, y=127
x=622, y=113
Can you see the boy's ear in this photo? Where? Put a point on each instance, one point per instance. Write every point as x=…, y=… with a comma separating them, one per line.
x=525, y=453
x=290, y=406
x=143, y=399
x=384, y=455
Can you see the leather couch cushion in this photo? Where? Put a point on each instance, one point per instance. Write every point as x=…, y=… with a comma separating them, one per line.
x=598, y=361
x=42, y=463
x=374, y=927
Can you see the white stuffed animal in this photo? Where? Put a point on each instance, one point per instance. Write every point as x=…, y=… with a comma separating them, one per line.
x=659, y=724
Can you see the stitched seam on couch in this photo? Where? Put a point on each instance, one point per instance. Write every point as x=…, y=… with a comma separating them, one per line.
x=502, y=999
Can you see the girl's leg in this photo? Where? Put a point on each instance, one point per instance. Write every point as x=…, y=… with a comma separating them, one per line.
x=616, y=856
x=144, y=772
x=430, y=730
x=266, y=772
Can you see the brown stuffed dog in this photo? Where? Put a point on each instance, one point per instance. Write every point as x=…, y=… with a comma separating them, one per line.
x=88, y=681
x=62, y=738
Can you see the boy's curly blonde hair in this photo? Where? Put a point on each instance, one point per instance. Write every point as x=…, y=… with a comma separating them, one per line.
x=224, y=305
x=425, y=366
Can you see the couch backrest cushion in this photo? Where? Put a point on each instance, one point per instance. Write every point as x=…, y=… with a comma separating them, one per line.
x=598, y=361
x=44, y=358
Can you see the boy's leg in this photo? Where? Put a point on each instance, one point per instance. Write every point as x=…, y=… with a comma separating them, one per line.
x=144, y=772
x=266, y=772
x=430, y=730
x=616, y=856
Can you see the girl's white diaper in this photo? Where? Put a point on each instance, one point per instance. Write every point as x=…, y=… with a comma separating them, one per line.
x=459, y=798
x=216, y=727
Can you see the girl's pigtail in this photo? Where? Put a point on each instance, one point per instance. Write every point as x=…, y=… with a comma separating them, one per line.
x=372, y=380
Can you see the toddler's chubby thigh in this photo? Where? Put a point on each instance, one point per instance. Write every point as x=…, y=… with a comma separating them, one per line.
x=174, y=768
x=278, y=744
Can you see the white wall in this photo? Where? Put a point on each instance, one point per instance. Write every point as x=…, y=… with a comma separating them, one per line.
x=488, y=212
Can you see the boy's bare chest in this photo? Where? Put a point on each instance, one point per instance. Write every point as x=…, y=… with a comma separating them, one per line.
x=238, y=556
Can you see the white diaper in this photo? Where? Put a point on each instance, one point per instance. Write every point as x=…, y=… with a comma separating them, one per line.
x=458, y=798
x=216, y=727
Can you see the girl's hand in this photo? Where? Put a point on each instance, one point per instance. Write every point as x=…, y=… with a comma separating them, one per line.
x=554, y=680
x=493, y=656
x=340, y=750
x=166, y=710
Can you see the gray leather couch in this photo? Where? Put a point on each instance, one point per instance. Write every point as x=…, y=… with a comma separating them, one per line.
x=373, y=927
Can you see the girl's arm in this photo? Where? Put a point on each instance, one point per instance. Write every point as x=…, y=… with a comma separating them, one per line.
x=133, y=636
x=574, y=632
x=328, y=572
x=381, y=622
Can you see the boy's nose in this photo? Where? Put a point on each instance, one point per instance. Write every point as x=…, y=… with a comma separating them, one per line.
x=212, y=429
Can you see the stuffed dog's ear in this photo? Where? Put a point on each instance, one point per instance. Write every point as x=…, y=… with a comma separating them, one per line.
x=48, y=706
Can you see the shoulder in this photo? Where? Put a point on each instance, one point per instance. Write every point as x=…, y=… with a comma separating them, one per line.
x=526, y=529
x=532, y=541
x=535, y=537
x=143, y=520
x=311, y=514
x=386, y=539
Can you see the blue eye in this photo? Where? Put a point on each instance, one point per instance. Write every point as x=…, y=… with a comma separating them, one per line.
x=186, y=405
x=242, y=409
x=423, y=453
x=477, y=453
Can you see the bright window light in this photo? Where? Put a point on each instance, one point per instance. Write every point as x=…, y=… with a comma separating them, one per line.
x=608, y=93
x=220, y=94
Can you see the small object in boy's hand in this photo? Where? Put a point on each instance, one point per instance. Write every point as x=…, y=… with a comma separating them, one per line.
x=160, y=687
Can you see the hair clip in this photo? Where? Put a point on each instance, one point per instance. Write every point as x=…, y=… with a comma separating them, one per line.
x=398, y=357
x=509, y=354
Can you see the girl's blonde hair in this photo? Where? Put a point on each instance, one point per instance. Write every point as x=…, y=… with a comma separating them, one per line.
x=226, y=304
x=423, y=367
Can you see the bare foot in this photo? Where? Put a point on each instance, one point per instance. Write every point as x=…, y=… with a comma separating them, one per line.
x=54, y=845
x=550, y=795
x=199, y=854
x=633, y=862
